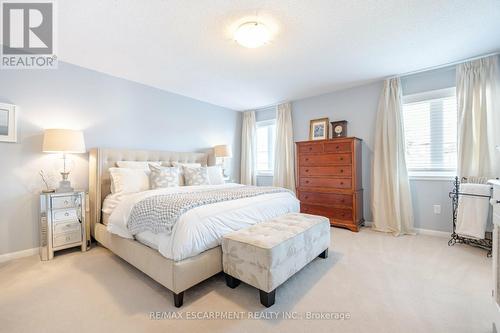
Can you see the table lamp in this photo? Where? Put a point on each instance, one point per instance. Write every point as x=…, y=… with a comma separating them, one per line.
x=64, y=141
x=222, y=151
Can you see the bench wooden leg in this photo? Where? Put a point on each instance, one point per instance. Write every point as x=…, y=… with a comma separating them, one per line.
x=231, y=281
x=324, y=254
x=267, y=299
x=178, y=299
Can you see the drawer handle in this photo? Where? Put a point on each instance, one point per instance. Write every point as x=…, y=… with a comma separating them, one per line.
x=341, y=158
x=342, y=200
x=338, y=147
x=307, y=170
x=341, y=183
x=341, y=170
x=66, y=202
x=306, y=197
x=307, y=182
x=310, y=148
x=66, y=214
x=307, y=159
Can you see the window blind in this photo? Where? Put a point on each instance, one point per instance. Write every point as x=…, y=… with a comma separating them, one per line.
x=430, y=124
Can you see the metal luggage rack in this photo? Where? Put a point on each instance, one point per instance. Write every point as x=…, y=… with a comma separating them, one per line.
x=485, y=243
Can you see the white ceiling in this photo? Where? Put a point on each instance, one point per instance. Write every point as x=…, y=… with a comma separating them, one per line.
x=185, y=46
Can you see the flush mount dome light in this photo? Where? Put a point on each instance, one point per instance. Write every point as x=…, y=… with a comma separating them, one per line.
x=252, y=34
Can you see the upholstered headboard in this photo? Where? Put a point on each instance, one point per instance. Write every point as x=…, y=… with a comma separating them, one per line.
x=101, y=159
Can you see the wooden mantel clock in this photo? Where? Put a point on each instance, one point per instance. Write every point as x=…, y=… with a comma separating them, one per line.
x=339, y=129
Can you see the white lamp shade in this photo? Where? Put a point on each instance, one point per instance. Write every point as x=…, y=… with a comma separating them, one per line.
x=222, y=151
x=63, y=141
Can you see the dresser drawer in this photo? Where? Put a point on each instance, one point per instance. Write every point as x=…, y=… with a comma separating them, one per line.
x=64, y=227
x=344, y=214
x=68, y=238
x=325, y=159
x=326, y=198
x=65, y=215
x=64, y=202
x=338, y=183
x=325, y=171
x=311, y=148
x=337, y=147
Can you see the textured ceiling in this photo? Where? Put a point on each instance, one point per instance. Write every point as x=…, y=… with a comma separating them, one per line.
x=185, y=46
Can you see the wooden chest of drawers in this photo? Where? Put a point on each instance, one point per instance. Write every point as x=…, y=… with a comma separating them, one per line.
x=329, y=180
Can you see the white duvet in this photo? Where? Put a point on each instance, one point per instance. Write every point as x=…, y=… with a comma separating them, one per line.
x=201, y=228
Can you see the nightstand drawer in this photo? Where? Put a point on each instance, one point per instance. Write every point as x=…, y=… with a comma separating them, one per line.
x=65, y=214
x=64, y=227
x=69, y=238
x=64, y=202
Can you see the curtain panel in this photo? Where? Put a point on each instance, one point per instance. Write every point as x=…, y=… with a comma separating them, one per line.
x=284, y=158
x=477, y=95
x=248, y=149
x=391, y=198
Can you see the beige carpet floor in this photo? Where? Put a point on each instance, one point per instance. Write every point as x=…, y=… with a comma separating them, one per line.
x=382, y=283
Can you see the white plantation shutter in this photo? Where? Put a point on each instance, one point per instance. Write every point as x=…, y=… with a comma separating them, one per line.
x=430, y=122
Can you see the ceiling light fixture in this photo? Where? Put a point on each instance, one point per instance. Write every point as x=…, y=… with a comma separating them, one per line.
x=252, y=34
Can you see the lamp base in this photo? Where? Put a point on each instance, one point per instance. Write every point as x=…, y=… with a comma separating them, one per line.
x=64, y=186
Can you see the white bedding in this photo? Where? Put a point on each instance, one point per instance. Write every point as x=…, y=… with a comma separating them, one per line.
x=201, y=228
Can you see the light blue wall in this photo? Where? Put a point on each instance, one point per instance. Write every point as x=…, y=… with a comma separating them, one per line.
x=113, y=113
x=359, y=107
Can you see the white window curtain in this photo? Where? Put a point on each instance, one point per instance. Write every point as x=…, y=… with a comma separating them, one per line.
x=248, y=149
x=284, y=156
x=477, y=83
x=391, y=198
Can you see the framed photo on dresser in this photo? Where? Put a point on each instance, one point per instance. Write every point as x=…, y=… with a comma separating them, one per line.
x=319, y=129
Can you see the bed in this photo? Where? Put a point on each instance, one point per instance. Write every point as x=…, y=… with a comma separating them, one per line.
x=179, y=266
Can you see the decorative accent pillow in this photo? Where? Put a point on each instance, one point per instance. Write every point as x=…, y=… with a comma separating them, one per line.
x=196, y=176
x=215, y=176
x=181, y=169
x=126, y=180
x=161, y=177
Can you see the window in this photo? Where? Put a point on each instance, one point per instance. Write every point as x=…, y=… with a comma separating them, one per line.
x=430, y=123
x=266, y=133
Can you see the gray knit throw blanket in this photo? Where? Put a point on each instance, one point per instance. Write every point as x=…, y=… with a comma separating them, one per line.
x=159, y=213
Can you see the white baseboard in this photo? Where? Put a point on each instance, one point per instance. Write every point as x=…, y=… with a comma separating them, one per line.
x=427, y=232
x=19, y=254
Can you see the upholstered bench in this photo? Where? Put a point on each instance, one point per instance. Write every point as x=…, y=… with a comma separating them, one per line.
x=267, y=254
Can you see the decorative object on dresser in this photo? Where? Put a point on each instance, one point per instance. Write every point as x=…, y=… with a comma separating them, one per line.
x=318, y=129
x=329, y=180
x=64, y=141
x=62, y=222
x=339, y=129
x=8, y=123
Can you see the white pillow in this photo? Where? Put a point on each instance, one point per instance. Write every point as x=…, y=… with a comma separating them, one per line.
x=126, y=180
x=215, y=176
x=181, y=169
x=196, y=176
x=136, y=164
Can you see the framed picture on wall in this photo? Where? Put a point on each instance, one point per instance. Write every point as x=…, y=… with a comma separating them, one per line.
x=318, y=129
x=8, y=123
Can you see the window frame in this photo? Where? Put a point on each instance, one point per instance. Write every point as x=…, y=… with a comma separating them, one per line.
x=266, y=123
x=425, y=96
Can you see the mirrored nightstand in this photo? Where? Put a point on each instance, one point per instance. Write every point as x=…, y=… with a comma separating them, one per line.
x=62, y=222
